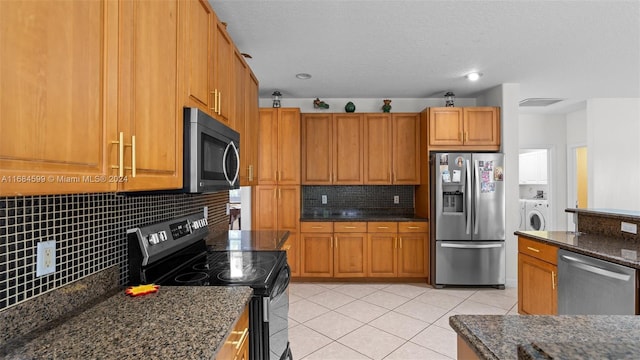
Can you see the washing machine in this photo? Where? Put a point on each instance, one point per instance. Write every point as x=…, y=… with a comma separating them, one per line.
x=537, y=215
x=523, y=214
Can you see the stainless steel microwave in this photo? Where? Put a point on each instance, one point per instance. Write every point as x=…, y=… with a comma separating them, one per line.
x=211, y=154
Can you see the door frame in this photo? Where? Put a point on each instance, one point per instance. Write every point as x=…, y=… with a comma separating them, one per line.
x=572, y=186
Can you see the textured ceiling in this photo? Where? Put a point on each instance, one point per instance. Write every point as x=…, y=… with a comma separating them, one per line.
x=573, y=50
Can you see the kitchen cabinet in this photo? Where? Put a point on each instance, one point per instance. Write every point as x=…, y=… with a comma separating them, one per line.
x=392, y=149
x=350, y=251
x=236, y=347
x=292, y=247
x=332, y=150
x=533, y=167
x=279, y=146
x=200, y=22
x=245, y=118
x=316, y=249
x=222, y=76
x=150, y=103
x=58, y=111
x=465, y=128
x=537, y=278
x=398, y=249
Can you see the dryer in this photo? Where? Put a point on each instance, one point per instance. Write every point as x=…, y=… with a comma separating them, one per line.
x=537, y=215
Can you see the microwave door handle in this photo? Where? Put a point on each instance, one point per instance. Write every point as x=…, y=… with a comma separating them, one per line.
x=224, y=162
x=235, y=177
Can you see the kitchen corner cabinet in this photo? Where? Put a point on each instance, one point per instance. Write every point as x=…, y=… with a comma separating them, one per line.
x=392, y=149
x=279, y=146
x=332, y=149
x=59, y=105
x=461, y=128
x=537, y=278
x=236, y=347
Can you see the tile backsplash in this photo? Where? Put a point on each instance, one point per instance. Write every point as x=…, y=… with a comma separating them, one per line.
x=369, y=199
x=90, y=234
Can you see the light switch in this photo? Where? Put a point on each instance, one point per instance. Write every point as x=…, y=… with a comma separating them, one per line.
x=628, y=227
x=396, y=199
x=324, y=199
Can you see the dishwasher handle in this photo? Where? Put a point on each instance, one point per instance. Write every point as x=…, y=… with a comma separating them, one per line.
x=594, y=269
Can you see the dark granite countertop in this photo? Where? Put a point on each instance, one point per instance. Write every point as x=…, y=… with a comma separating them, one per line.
x=247, y=240
x=361, y=217
x=589, y=336
x=609, y=213
x=579, y=351
x=174, y=323
x=618, y=250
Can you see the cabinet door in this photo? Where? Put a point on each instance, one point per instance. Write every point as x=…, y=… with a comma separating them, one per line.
x=481, y=126
x=537, y=290
x=406, y=149
x=58, y=109
x=288, y=208
x=237, y=118
x=382, y=255
x=223, y=74
x=348, y=149
x=249, y=143
x=445, y=126
x=350, y=255
x=289, y=146
x=199, y=50
x=316, y=255
x=265, y=208
x=268, y=146
x=317, y=149
x=377, y=149
x=292, y=247
x=412, y=255
x=150, y=108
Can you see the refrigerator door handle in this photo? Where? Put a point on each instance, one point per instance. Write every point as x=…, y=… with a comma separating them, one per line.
x=467, y=209
x=476, y=194
x=471, y=246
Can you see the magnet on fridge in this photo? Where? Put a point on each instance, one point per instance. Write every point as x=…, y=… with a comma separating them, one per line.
x=456, y=175
x=445, y=176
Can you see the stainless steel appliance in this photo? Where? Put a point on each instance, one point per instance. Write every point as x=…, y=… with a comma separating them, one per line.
x=211, y=154
x=176, y=253
x=468, y=205
x=590, y=286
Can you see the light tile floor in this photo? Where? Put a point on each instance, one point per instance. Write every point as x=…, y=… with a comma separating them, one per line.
x=350, y=321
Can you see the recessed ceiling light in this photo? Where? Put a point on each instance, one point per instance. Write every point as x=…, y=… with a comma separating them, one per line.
x=303, y=76
x=473, y=76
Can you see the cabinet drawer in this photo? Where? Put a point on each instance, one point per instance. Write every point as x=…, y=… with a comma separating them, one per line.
x=384, y=227
x=341, y=227
x=316, y=227
x=413, y=226
x=545, y=252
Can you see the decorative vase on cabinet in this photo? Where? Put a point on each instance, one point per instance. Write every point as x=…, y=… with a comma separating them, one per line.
x=350, y=107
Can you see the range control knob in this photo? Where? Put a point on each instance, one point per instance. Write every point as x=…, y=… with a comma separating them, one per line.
x=195, y=225
x=162, y=235
x=154, y=239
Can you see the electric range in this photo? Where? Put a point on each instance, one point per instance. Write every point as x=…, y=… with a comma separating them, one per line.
x=175, y=253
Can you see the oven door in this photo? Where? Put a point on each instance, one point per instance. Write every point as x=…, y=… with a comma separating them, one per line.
x=278, y=315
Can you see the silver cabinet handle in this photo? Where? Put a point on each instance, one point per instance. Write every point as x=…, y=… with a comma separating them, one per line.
x=478, y=246
x=594, y=269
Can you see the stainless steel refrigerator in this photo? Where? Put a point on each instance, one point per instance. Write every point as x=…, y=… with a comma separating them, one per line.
x=468, y=206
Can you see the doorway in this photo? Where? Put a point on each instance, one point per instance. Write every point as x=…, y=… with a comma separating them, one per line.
x=577, y=184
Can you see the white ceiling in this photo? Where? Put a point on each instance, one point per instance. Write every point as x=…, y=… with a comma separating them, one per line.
x=573, y=50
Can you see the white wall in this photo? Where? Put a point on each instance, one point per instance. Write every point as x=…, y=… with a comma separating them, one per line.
x=365, y=105
x=507, y=97
x=538, y=131
x=613, y=140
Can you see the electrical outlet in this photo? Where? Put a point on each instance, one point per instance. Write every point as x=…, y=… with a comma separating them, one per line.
x=628, y=227
x=46, y=258
x=396, y=199
x=324, y=199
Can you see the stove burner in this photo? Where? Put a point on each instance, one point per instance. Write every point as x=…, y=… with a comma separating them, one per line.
x=220, y=260
x=192, y=278
x=248, y=274
x=202, y=267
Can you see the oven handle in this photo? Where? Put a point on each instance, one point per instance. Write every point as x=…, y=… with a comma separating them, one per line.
x=279, y=290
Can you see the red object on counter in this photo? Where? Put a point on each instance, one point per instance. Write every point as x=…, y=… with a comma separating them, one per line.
x=141, y=290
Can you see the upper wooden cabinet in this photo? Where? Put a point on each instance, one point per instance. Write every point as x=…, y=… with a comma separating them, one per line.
x=59, y=96
x=332, y=150
x=473, y=128
x=222, y=75
x=392, y=149
x=279, y=146
x=249, y=134
x=150, y=102
x=200, y=22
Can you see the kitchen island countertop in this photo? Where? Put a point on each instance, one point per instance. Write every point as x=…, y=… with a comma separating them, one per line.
x=174, y=323
x=560, y=337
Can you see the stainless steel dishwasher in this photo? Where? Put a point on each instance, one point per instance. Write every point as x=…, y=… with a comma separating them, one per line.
x=587, y=285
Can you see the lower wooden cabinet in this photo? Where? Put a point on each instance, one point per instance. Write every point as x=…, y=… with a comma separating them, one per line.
x=236, y=347
x=537, y=278
x=359, y=249
x=292, y=247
